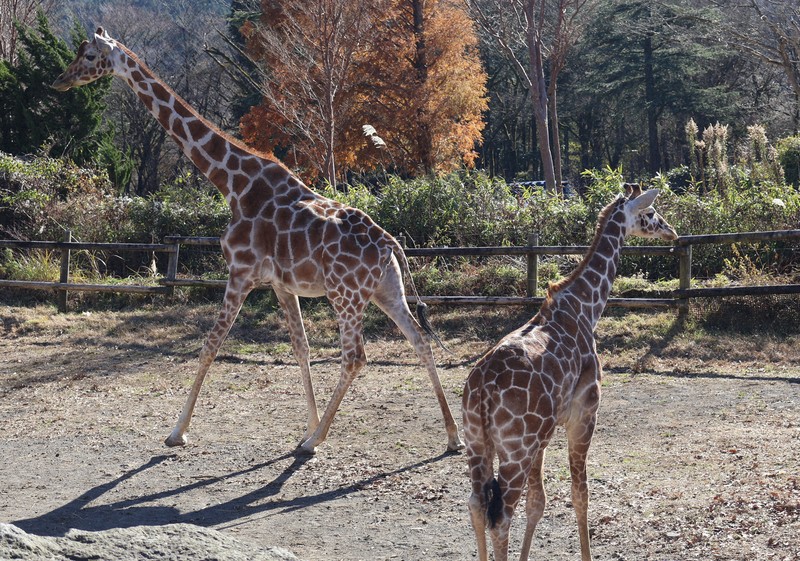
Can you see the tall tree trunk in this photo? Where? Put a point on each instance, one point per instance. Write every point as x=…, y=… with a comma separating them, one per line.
x=654, y=162
x=538, y=90
x=555, y=134
x=329, y=114
x=330, y=160
x=424, y=137
x=539, y=97
x=585, y=141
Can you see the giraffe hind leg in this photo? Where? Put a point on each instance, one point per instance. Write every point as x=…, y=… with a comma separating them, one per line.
x=477, y=514
x=534, y=504
x=511, y=480
x=390, y=297
x=485, y=488
x=353, y=360
x=485, y=510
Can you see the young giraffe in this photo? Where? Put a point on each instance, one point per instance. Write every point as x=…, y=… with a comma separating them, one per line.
x=545, y=374
x=281, y=233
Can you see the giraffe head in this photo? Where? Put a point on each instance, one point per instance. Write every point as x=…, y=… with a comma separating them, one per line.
x=93, y=61
x=641, y=218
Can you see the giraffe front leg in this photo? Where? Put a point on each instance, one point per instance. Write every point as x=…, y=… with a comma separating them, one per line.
x=178, y=435
x=579, y=438
x=235, y=293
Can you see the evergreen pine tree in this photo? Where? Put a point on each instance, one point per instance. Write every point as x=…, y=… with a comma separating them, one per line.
x=646, y=65
x=34, y=116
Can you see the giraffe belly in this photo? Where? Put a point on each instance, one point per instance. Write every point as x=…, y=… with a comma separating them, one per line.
x=304, y=291
x=303, y=281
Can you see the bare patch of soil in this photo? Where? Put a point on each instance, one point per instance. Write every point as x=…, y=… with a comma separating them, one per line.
x=695, y=455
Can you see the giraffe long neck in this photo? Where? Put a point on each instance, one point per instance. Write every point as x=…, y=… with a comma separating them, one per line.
x=214, y=153
x=588, y=287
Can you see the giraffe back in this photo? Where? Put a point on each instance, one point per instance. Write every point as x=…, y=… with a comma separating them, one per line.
x=524, y=385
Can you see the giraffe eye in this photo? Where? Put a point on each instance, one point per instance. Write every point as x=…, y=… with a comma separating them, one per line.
x=90, y=58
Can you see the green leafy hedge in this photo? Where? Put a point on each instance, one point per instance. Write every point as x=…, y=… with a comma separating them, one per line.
x=42, y=197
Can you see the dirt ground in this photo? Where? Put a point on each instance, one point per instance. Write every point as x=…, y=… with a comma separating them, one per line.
x=695, y=454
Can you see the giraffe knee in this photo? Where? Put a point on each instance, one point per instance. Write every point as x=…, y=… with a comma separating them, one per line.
x=354, y=360
x=477, y=506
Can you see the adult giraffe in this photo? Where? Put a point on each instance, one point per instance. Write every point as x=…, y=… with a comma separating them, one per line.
x=545, y=374
x=281, y=233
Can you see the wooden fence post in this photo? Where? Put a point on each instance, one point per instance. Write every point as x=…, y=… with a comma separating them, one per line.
x=684, y=280
x=64, y=278
x=533, y=266
x=172, y=264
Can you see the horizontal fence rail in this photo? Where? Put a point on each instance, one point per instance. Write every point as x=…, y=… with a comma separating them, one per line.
x=682, y=250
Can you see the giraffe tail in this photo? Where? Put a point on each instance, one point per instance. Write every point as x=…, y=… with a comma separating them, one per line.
x=422, y=314
x=494, y=501
x=422, y=307
x=486, y=499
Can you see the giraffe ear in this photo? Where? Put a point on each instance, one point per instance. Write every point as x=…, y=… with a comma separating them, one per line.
x=103, y=41
x=644, y=200
x=632, y=190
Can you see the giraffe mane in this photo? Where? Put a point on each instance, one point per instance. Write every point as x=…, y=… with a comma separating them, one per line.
x=213, y=127
x=602, y=220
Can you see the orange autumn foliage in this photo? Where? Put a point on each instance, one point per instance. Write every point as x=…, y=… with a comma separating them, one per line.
x=430, y=116
x=417, y=81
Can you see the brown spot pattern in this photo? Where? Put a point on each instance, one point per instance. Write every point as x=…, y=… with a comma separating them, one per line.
x=544, y=374
x=284, y=234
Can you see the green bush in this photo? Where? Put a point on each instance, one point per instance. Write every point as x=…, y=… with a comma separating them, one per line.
x=464, y=277
x=42, y=197
x=789, y=157
x=176, y=210
x=455, y=209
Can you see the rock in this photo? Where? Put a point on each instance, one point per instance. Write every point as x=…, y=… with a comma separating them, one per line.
x=176, y=542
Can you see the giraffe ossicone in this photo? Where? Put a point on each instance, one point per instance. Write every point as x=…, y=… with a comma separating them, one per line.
x=543, y=375
x=281, y=234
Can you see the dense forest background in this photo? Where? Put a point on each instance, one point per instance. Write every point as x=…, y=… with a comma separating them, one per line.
x=438, y=84
x=453, y=122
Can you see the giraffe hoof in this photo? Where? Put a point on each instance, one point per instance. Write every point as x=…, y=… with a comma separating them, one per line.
x=455, y=446
x=175, y=440
x=303, y=450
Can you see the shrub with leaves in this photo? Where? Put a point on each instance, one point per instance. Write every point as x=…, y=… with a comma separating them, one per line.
x=176, y=210
x=43, y=197
x=789, y=157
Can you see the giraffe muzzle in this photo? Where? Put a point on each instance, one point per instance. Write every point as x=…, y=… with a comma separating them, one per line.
x=61, y=84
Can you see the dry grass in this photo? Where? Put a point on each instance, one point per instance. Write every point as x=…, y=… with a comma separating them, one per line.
x=637, y=341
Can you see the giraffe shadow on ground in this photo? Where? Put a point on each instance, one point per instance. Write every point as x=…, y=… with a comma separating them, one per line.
x=129, y=512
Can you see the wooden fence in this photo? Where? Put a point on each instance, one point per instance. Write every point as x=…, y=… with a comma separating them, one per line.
x=679, y=298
